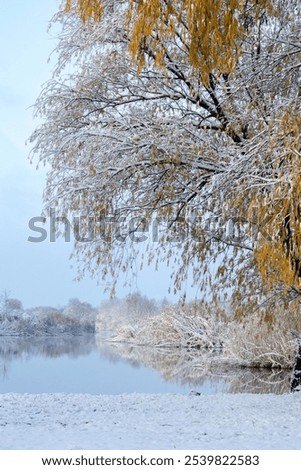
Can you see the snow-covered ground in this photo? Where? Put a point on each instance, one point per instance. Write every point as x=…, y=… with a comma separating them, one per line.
x=142, y=421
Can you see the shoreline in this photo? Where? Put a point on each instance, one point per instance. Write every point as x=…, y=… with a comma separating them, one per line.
x=149, y=421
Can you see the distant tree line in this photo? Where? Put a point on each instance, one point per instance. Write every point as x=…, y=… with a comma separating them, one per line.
x=75, y=318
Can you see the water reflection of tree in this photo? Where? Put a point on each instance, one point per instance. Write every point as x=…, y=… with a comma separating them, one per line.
x=195, y=368
x=4, y=371
x=12, y=348
x=252, y=380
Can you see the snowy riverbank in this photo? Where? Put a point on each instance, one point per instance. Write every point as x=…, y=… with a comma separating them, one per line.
x=141, y=421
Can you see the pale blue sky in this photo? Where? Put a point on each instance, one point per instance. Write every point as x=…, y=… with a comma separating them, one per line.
x=36, y=273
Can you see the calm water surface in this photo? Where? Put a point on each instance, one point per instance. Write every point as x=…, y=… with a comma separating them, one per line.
x=89, y=365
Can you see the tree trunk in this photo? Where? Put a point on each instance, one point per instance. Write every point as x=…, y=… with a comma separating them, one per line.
x=296, y=376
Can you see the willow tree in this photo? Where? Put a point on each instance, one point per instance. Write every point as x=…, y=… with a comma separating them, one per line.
x=179, y=124
x=212, y=33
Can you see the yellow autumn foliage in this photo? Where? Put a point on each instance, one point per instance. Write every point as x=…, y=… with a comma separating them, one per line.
x=212, y=30
x=278, y=253
x=86, y=8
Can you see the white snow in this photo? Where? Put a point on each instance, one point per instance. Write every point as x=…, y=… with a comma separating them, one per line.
x=142, y=421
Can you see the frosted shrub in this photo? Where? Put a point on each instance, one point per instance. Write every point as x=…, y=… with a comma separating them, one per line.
x=187, y=326
x=191, y=326
x=250, y=342
x=254, y=342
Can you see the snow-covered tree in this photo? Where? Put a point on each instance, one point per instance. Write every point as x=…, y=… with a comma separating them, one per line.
x=10, y=308
x=192, y=143
x=129, y=314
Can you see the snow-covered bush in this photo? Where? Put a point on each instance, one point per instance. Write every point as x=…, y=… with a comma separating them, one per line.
x=189, y=326
x=247, y=342
x=192, y=326
x=255, y=342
